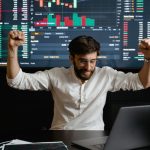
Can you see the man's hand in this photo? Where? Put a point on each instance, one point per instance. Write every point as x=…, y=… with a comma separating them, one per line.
x=144, y=73
x=15, y=39
x=144, y=46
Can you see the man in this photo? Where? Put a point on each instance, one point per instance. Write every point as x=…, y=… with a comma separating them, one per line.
x=79, y=92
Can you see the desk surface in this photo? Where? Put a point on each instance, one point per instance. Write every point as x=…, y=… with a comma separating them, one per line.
x=67, y=136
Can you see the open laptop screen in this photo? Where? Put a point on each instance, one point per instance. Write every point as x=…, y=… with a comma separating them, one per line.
x=131, y=130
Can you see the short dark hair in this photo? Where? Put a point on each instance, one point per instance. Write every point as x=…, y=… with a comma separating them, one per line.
x=83, y=45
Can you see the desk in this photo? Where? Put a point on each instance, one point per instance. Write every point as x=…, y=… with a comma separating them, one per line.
x=67, y=136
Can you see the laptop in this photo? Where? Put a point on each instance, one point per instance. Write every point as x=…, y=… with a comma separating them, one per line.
x=131, y=130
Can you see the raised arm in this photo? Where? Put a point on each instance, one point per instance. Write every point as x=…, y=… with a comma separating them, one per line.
x=144, y=73
x=15, y=39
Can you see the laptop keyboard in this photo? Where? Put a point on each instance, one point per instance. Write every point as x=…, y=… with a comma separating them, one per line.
x=98, y=146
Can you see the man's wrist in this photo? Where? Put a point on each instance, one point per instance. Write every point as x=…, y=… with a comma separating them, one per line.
x=147, y=60
x=12, y=53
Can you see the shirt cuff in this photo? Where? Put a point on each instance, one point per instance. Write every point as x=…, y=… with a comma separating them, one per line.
x=13, y=81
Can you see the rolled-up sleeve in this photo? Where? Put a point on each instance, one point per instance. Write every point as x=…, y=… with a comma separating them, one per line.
x=27, y=81
x=16, y=80
x=128, y=81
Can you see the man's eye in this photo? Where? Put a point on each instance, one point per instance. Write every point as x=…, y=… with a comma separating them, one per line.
x=93, y=61
x=84, y=61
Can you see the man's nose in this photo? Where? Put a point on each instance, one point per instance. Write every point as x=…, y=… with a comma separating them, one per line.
x=88, y=65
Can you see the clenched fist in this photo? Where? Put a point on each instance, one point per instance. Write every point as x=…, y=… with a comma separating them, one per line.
x=15, y=39
x=144, y=46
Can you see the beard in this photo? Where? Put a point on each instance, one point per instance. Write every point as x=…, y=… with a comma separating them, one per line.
x=83, y=74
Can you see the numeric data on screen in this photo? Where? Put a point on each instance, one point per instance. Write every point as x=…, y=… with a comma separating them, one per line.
x=49, y=26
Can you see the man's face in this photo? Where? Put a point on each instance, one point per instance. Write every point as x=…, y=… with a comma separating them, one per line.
x=84, y=65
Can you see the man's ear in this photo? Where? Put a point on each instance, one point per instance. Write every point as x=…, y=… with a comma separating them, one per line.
x=71, y=58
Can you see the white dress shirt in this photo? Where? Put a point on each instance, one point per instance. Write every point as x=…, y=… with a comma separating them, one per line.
x=77, y=106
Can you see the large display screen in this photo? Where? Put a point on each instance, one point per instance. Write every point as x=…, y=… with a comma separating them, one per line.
x=49, y=26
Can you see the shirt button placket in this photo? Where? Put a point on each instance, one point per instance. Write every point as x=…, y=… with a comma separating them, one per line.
x=82, y=99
